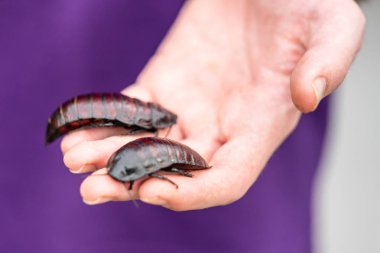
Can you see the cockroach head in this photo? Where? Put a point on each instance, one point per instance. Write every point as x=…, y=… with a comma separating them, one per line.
x=125, y=167
x=162, y=118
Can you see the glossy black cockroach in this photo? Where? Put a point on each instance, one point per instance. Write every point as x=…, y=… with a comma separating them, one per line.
x=147, y=156
x=107, y=109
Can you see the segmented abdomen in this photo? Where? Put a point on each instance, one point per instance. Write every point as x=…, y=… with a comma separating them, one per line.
x=108, y=109
x=96, y=106
x=166, y=153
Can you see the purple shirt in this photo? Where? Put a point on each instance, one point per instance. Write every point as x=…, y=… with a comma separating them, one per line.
x=53, y=50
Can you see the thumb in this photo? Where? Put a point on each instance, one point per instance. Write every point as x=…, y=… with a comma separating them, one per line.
x=335, y=38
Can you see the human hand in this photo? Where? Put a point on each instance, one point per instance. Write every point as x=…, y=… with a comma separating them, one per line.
x=233, y=71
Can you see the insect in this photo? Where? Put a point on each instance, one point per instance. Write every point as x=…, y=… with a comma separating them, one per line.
x=147, y=156
x=107, y=109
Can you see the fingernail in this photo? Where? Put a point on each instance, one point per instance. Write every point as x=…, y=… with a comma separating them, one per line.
x=96, y=201
x=84, y=168
x=319, y=87
x=154, y=201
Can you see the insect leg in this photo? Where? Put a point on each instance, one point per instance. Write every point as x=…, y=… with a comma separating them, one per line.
x=179, y=172
x=129, y=193
x=131, y=185
x=159, y=176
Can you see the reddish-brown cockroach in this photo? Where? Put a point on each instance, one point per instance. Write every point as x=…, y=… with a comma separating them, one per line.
x=107, y=109
x=146, y=156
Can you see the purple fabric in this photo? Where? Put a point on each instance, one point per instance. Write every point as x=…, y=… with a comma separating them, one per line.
x=53, y=50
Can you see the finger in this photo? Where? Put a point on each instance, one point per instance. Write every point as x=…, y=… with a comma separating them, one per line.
x=100, y=188
x=83, y=135
x=234, y=169
x=334, y=42
x=78, y=136
x=91, y=155
x=87, y=156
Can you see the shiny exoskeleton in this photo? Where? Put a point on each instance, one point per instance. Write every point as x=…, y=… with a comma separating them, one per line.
x=147, y=156
x=107, y=109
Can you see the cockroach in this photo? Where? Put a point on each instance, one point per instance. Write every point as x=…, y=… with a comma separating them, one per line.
x=107, y=109
x=149, y=155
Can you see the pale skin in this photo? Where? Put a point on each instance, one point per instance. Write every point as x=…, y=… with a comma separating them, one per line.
x=238, y=74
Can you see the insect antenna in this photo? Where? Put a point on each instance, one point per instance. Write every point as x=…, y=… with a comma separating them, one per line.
x=130, y=195
x=168, y=132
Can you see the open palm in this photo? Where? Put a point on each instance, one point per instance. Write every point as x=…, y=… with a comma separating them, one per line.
x=235, y=72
